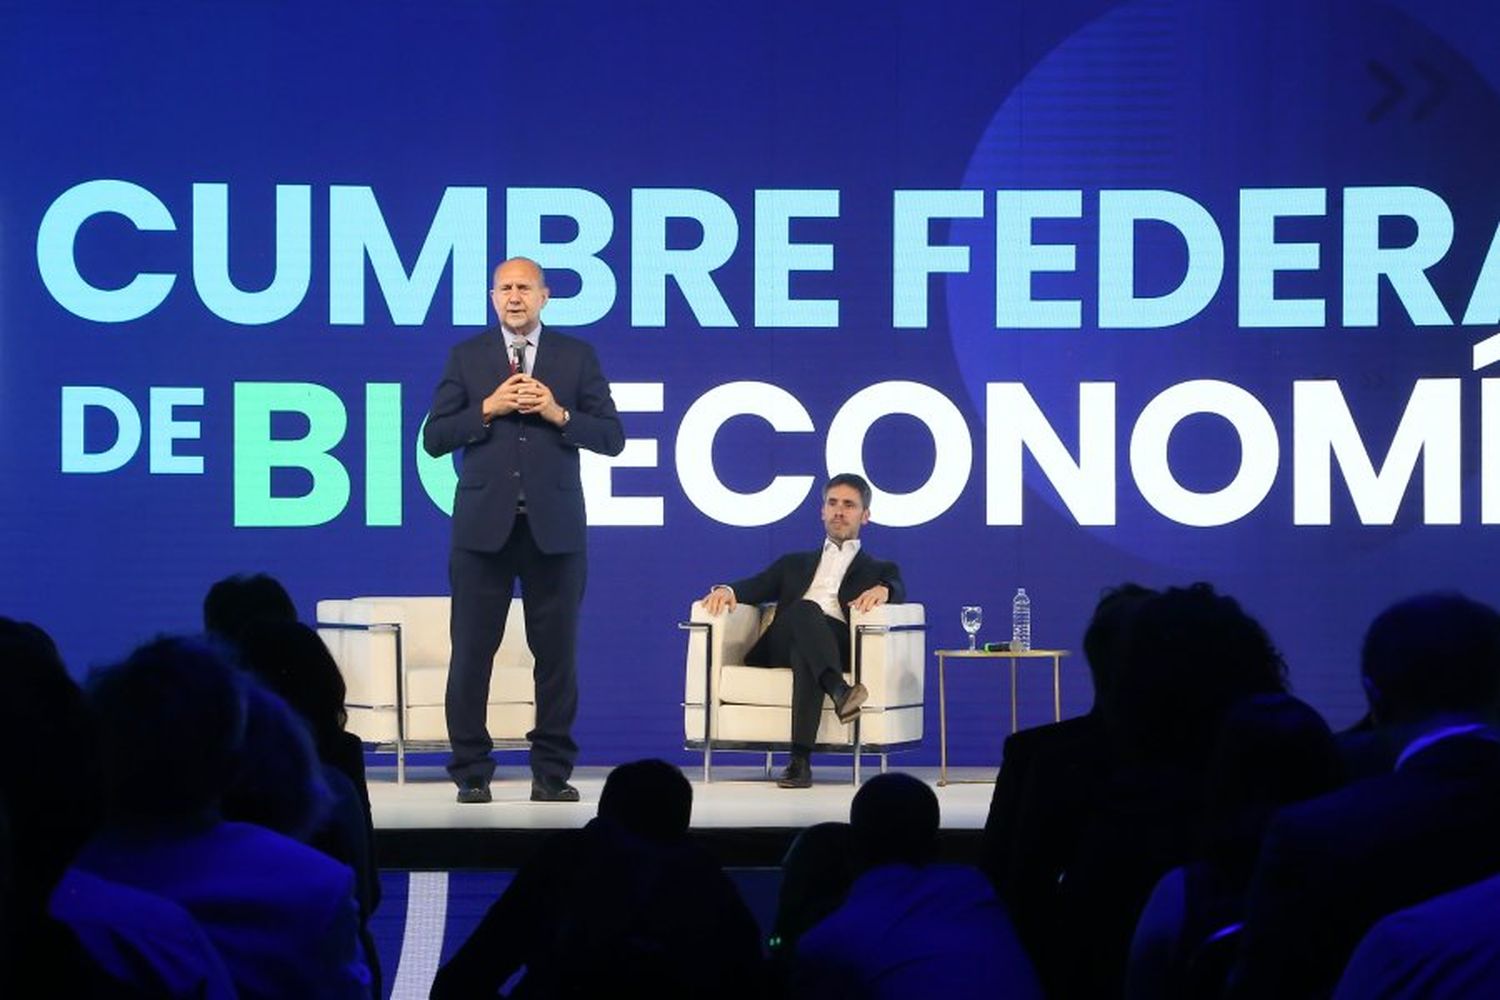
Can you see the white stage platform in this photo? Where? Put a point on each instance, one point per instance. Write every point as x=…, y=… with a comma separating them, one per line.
x=739, y=798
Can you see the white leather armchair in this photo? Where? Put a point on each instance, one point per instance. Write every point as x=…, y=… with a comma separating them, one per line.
x=393, y=653
x=741, y=707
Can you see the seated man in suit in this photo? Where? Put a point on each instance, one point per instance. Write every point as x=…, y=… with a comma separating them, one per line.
x=1331, y=867
x=813, y=592
x=1447, y=948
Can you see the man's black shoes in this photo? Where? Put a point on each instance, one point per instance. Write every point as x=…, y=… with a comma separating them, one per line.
x=552, y=791
x=474, y=791
x=847, y=707
x=798, y=774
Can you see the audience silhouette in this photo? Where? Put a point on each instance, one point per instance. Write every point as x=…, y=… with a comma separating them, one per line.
x=1198, y=821
x=626, y=905
x=816, y=874
x=281, y=915
x=1447, y=948
x=318, y=794
x=1190, y=655
x=291, y=660
x=1050, y=781
x=909, y=927
x=278, y=783
x=1272, y=750
x=1331, y=867
x=235, y=603
x=64, y=932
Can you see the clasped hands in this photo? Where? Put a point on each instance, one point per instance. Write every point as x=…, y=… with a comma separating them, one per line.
x=520, y=393
x=721, y=598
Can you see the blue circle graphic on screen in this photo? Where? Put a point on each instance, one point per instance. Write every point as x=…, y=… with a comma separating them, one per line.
x=1217, y=118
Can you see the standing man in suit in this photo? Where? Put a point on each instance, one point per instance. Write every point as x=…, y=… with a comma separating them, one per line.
x=520, y=399
x=814, y=592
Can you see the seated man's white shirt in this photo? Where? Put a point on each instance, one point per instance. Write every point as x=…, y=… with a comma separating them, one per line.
x=832, y=565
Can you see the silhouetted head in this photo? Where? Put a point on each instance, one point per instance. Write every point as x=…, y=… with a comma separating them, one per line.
x=894, y=819
x=816, y=874
x=43, y=711
x=171, y=721
x=1104, y=639
x=279, y=782
x=1437, y=654
x=291, y=660
x=1191, y=655
x=1273, y=749
x=236, y=602
x=650, y=798
x=43, y=708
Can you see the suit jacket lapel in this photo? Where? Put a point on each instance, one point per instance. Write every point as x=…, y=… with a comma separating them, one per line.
x=495, y=362
x=858, y=566
x=546, y=356
x=805, y=574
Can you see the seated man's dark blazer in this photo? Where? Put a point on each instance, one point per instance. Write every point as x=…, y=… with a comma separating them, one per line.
x=1330, y=868
x=786, y=581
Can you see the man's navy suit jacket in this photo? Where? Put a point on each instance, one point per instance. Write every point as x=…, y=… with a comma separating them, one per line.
x=516, y=452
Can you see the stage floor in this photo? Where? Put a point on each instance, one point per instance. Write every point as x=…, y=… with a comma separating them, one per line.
x=738, y=797
x=741, y=815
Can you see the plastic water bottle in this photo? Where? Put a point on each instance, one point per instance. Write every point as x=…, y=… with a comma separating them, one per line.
x=1020, y=622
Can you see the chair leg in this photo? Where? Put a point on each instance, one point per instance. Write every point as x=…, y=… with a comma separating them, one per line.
x=885, y=763
x=859, y=743
x=770, y=768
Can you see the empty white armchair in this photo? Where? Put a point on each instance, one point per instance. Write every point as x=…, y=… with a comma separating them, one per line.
x=741, y=707
x=393, y=653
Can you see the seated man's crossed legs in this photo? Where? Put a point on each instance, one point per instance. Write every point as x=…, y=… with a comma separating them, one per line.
x=816, y=647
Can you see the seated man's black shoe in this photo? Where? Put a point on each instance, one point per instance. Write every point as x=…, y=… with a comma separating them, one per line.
x=474, y=790
x=798, y=774
x=552, y=791
x=847, y=706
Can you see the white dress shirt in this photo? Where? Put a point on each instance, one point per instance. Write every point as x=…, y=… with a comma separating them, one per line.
x=832, y=566
x=533, y=339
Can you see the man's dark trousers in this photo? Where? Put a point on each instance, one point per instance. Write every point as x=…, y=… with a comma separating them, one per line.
x=816, y=646
x=551, y=591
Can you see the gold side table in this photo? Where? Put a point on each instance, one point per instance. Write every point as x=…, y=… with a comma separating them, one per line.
x=943, y=655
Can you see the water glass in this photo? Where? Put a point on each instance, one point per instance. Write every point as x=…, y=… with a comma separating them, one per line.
x=970, y=618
